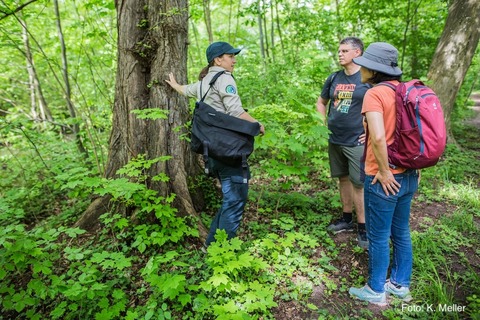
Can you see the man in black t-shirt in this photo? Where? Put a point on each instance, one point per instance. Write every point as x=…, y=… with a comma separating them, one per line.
x=343, y=93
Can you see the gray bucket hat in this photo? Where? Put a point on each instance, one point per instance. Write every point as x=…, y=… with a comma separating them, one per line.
x=381, y=57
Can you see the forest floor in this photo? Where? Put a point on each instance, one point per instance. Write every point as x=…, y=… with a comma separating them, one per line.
x=353, y=263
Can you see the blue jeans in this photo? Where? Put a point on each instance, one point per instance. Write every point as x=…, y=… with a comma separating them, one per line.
x=235, y=194
x=387, y=217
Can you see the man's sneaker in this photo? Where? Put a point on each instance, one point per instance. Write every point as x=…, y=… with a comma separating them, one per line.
x=362, y=239
x=400, y=292
x=340, y=225
x=367, y=294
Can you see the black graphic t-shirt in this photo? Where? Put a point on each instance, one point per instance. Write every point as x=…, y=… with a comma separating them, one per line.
x=345, y=94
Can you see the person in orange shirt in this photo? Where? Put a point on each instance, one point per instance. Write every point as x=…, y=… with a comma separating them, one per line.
x=388, y=191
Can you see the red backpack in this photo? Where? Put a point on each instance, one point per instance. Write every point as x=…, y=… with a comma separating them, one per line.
x=420, y=134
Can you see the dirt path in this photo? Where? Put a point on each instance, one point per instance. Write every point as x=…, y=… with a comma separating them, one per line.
x=476, y=120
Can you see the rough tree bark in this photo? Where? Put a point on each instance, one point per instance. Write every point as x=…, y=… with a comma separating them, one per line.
x=152, y=41
x=454, y=53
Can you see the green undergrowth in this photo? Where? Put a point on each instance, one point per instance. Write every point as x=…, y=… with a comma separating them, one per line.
x=149, y=266
x=148, y=270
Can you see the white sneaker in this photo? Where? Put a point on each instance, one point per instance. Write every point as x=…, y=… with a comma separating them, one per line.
x=400, y=292
x=367, y=294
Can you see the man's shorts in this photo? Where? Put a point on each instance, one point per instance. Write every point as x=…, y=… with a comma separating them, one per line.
x=345, y=161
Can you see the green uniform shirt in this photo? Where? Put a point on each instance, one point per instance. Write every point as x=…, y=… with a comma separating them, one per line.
x=223, y=96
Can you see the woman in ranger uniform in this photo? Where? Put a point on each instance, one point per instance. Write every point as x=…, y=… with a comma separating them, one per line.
x=222, y=96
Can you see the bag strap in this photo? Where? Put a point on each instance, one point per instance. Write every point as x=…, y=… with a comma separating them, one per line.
x=363, y=159
x=205, y=143
x=330, y=87
x=215, y=77
x=388, y=84
x=394, y=88
x=364, y=156
x=205, y=156
x=245, y=168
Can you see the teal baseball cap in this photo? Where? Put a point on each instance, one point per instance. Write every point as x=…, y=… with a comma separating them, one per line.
x=216, y=49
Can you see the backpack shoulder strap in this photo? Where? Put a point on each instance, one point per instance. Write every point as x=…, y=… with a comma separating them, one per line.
x=215, y=77
x=388, y=84
x=332, y=77
x=364, y=157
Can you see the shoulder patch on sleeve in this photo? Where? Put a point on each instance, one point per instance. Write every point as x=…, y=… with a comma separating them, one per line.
x=230, y=89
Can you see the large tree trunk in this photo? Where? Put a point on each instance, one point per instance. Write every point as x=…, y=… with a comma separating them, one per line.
x=455, y=52
x=152, y=41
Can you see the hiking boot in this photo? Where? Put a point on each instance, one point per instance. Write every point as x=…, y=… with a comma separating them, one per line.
x=362, y=239
x=367, y=294
x=400, y=292
x=340, y=225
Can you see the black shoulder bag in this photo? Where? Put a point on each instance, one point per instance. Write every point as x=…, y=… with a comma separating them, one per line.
x=223, y=137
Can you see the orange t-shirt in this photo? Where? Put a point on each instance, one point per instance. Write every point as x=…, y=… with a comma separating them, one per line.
x=380, y=99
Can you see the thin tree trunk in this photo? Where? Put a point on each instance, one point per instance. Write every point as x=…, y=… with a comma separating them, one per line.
x=230, y=12
x=31, y=76
x=197, y=54
x=272, y=31
x=208, y=19
x=260, y=29
x=237, y=23
x=71, y=109
x=412, y=26
x=279, y=30
x=265, y=33
x=35, y=88
x=414, y=63
x=339, y=20
x=408, y=18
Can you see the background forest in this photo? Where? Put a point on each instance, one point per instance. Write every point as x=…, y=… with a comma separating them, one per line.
x=57, y=91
